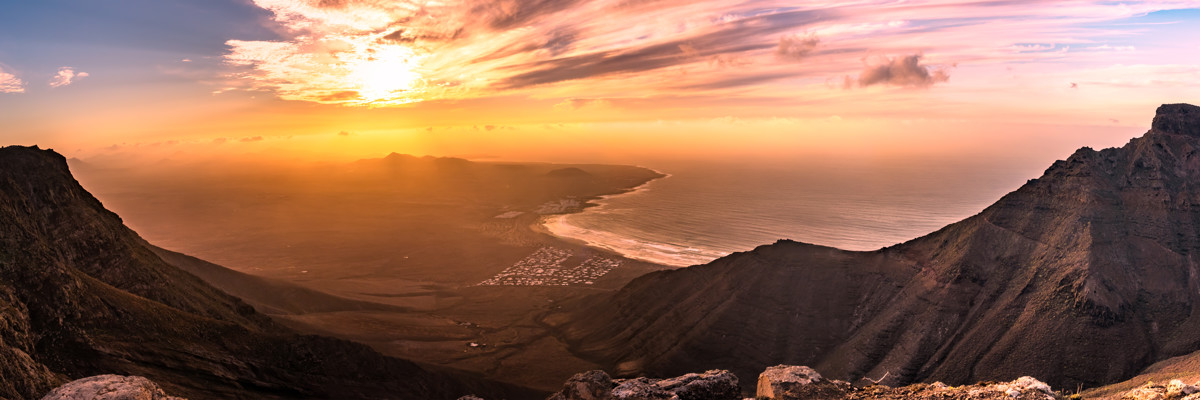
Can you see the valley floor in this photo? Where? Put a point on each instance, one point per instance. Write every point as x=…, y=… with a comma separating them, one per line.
x=441, y=261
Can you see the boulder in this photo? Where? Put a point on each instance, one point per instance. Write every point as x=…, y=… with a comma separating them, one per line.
x=590, y=385
x=641, y=389
x=109, y=387
x=597, y=385
x=711, y=385
x=780, y=379
x=1024, y=387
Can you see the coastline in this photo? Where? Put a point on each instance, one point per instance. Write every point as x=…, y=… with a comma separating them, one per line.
x=591, y=203
x=665, y=254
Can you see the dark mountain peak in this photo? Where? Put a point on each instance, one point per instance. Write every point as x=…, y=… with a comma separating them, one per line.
x=568, y=172
x=452, y=161
x=394, y=156
x=32, y=157
x=1181, y=119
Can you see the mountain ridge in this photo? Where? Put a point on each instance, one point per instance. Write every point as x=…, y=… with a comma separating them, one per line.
x=1083, y=276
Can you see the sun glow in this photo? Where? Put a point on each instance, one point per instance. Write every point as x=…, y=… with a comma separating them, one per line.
x=387, y=76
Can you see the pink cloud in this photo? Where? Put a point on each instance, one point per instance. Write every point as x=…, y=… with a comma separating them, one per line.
x=9, y=83
x=66, y=76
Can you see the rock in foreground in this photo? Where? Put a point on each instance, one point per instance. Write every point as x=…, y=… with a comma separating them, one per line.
x=597, y=385
x=1173, y=390
x=110, y=387
x=786, y=382
x=1024, y=388
x=781, y=379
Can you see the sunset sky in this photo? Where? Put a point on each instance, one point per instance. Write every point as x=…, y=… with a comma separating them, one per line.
x=591, y=79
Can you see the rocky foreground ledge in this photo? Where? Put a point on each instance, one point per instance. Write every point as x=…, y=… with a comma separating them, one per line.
x=787, y=382
x=782, y=382
x=110, y=387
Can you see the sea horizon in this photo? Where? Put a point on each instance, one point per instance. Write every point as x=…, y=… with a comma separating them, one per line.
x=692, y=215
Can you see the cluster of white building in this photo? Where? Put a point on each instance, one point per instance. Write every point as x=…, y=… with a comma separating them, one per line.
x=545, y=268
x=559, y=207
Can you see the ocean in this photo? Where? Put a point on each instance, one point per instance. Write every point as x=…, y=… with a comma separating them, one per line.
x=702, y=211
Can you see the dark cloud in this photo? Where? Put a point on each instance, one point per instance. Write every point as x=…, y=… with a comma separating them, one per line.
x=398, y=36
x=340, y=96
x=220, y=140
x=560, y=41
x=413, y=36
x=345, y=133
x=1074, y=85
x=739, y=81
x=738, y=36
x=794, y=47
x=507, y=14
x=902, y=71
x=557, y=42
x=251, y=139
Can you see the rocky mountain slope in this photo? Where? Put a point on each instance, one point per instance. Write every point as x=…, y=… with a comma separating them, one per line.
x=81, y=295
x=268, y=296
x=1081, y=277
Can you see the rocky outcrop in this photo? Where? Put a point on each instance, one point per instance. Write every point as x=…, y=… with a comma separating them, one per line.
x=1024, y=388
x=803, y=383
x=1173, y=390
x=780, y=379
x=1182, y=119
x=597, y=385
x=110, y=387
x=714, y=385
x=1082, y=277
x=786, y=382
x=590, y=385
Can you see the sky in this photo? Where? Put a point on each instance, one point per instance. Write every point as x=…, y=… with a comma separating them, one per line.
x=590, y=80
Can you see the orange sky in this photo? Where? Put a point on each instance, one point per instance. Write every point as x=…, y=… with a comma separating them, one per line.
x=596, y=80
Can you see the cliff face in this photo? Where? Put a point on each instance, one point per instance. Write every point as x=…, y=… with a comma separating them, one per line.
x=1081, y=277
x=81, y=294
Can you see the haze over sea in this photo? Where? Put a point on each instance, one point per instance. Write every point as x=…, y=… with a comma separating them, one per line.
x=702, y=211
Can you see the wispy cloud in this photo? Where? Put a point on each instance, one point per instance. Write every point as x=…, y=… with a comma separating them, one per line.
x=380, y=53
x=9, y=83
x=66, y=76
x=576, y=104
